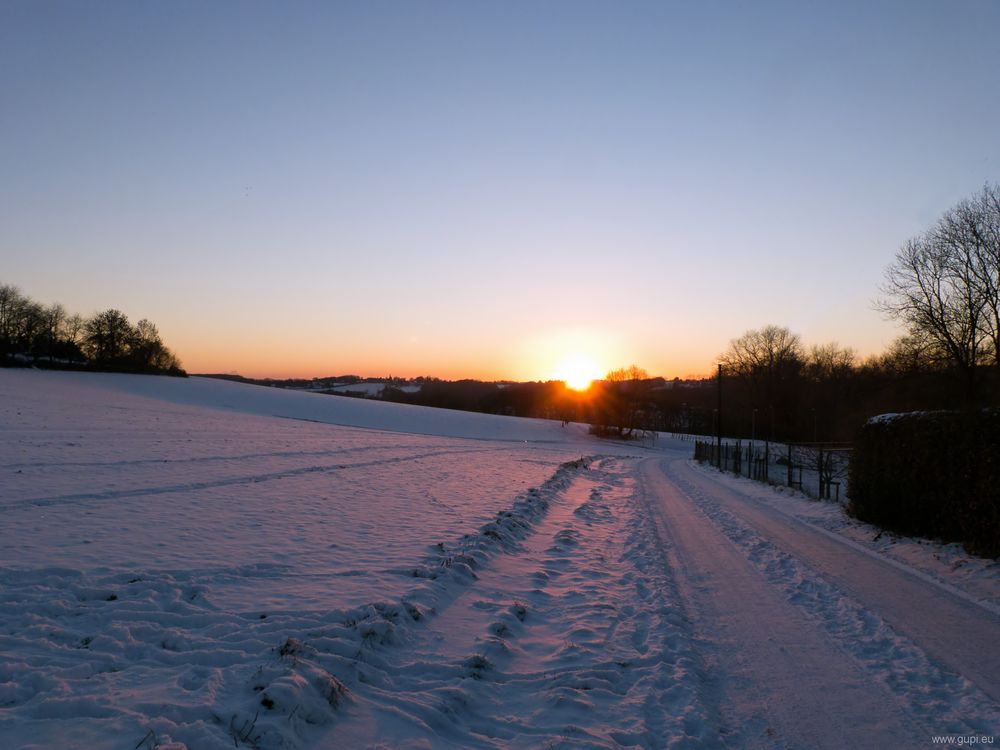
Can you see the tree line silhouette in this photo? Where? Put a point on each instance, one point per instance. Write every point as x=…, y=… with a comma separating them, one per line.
x=33, y=334
x=780, y=390
x=774, y=387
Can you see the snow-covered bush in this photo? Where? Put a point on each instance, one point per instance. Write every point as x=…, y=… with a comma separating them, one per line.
x=932, y=474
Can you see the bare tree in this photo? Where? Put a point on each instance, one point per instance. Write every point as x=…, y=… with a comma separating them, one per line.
x=147, y=351
x=619, y=407
x=53, y=320
x=765, y=358
x=31, y=326
x=912, y=353
x=108, y=337
x=632, y=373
x=944, y=285
x=73, y=328
x=11, y=301
x=972, y=228
x=829, y=362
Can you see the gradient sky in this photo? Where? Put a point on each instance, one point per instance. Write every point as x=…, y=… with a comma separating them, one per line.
x=476, y=189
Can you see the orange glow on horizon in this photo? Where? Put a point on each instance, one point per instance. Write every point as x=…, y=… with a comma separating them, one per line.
x=576, y=356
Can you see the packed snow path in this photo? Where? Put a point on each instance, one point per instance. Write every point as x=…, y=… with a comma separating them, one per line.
x=813, y=641
x=572, y=638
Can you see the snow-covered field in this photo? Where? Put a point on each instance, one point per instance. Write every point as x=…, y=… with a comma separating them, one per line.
x=203, y=564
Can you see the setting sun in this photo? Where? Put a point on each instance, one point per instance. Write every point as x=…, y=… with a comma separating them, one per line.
x=578, y=371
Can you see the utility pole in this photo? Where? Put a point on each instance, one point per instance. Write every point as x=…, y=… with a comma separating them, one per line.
x=718, y=422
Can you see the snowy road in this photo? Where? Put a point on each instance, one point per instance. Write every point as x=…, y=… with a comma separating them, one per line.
x=811, y=641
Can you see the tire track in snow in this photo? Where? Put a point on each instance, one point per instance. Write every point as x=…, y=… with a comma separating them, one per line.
x=231, y=481
x=203, y=459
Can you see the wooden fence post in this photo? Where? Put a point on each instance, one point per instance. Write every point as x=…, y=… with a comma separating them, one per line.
x=819, y=473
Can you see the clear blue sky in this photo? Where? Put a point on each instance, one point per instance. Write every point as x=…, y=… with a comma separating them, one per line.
x=481, y=188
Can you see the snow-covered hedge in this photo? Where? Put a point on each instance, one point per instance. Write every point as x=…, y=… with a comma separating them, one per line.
x=932, y=474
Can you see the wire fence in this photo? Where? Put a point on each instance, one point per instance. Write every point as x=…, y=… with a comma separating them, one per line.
x=816, y=469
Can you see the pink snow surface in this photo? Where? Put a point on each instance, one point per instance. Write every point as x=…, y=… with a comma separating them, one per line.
x=192, y=563
x=98, y=479
x=155, y=530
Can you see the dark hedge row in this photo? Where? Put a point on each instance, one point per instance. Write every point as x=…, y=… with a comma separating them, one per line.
x=933, y=474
